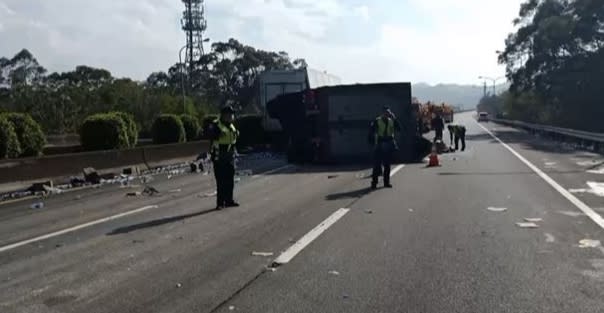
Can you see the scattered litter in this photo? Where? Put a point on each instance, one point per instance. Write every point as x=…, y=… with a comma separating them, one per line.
x=175, y=191
x=332, y=176
x=549, y=238
x=571, y=213
x=231, y=308
x=134, y=194
x=179, y=285
x=265, y=254
x=533, y=220
x=527, y=225
x=589, y=243
x=150, y=191
x=493, y=209
x=37, y=205
x=345, y=296
x=52, y=190
x=209, y=194
x=335, y=273
x=368, y=211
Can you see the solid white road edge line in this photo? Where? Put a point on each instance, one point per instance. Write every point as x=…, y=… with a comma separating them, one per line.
x=396, y=169
x=74, y=228
x=565, y=193
x=292, y=251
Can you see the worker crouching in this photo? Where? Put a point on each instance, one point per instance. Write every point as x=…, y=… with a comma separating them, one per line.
x=223, y=136
x=381, y=136
x=457, y=133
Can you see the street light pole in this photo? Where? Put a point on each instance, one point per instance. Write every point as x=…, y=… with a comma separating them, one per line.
x=494, y=80
x=182, y=80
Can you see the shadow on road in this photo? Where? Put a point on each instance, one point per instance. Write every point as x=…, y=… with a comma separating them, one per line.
x=158, y=222
x=349, y=195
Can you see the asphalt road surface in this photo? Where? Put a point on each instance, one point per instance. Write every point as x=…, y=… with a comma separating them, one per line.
x=315, y=239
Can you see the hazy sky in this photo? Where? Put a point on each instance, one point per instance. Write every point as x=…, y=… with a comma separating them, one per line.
x=434, y=41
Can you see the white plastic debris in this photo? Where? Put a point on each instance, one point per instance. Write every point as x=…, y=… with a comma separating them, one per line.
x=494, y=209
x=410, y=210
x=589, y=243
x=264, y=254
x=175, y=191
x=335, y=273
x=527, y=225
x=231, y=308
x=179, y=285
x=209, y=194
x=37, y=205
x=533, y=220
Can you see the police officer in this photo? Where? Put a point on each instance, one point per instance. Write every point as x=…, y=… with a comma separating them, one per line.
x=223, y=136
x=382, y=137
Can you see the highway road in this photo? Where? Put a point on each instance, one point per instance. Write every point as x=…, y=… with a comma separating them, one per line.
x=316, y=239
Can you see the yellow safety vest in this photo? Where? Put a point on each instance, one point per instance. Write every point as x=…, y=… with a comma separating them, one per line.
x=384, y=129
x=228, y=136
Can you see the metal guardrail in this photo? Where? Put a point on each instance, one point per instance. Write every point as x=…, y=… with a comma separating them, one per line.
x=556, y=131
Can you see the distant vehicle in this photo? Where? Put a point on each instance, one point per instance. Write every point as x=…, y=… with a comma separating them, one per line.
x=279, y=82
x=483, y=117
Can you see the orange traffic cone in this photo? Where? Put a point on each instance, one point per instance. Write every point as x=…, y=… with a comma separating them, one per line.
x=433, y=158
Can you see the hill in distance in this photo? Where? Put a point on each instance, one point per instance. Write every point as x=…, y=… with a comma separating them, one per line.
x=463, y=96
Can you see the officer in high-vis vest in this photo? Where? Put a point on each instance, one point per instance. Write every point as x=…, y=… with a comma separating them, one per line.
x=223, y=136
x=381, y=135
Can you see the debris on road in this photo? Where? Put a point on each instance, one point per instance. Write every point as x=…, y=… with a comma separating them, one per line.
x=134, y=194
x=150, y=191
x=494, y=209
x=52, y=190
x=345, y=296
x=209, y=194
x=231, y=308
x=335, y=273
x=37, y=205
x=533, y=220
x=550, y=164
x=368, y=212
x=332, y=176
x=179, y=285
x=589, y=243
x=549, y=238
x=264, y=254
x=175, y=191
x=572, y=213
x=410, y=210
x=527, y=225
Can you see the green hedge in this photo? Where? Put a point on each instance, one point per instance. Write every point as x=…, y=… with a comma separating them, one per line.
x=167, y=128
x=131, y=128
x=105, y=131
x=31, y=137
x=9, y=141
x=192, y=127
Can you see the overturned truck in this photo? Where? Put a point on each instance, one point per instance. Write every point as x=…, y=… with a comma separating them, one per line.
x=331, y=124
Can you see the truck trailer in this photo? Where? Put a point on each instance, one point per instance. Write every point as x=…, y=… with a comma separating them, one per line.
x=331, y=124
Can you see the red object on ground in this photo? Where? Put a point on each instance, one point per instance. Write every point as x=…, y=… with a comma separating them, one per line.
x=433, y=160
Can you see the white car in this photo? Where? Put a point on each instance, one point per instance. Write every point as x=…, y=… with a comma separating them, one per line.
x=483, y=117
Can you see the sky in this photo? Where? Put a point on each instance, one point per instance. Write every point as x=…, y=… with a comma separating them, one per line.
x=433, y=41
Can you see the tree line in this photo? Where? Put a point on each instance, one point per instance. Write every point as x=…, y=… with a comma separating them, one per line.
x=60, y=102
x=555, y=63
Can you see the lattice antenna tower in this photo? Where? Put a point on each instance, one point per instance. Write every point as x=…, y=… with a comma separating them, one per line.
x=194, y=25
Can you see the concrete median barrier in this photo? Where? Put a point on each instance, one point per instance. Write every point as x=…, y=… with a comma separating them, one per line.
x=66, y=165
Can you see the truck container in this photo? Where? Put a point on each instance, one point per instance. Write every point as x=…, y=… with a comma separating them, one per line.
x=331, y=124
x=279, y=82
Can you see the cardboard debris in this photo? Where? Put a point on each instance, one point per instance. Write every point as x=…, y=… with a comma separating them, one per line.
x=264, y=254
x=589, y=243
x=527, y=225
x=493, y=209
x=533, y=220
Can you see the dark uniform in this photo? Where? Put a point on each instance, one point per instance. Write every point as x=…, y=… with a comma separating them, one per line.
x=382, y=136
x=438, y=125
x=459, y=132
x=223, y=137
